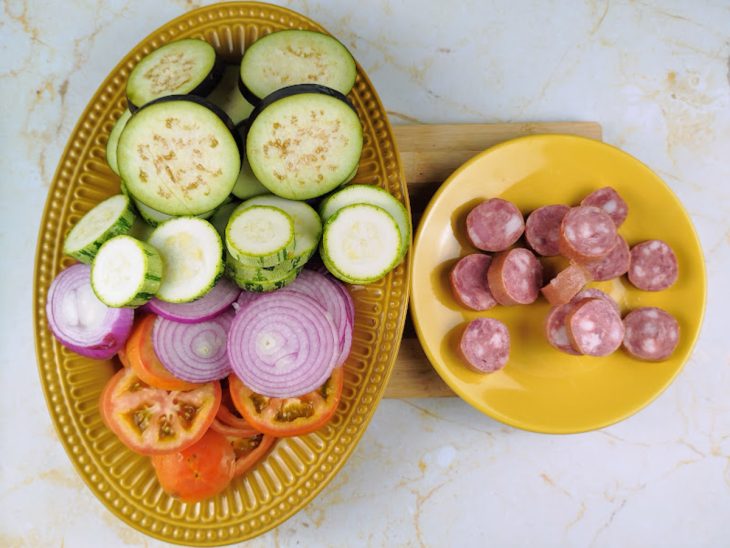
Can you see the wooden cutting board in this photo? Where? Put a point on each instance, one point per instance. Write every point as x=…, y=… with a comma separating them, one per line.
x=430, y=153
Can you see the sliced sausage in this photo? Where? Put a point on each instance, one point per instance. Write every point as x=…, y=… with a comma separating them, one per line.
x=469, y=282
x=593, y=293
x=515, y=277
x=485, y=345
x=494, y=225
x=586, y=234
x=614, y=264
x=653, y=266
x=594, y=328
x=651, y=334
x=555, y=329
x=542, y=229
x=609, y=201
x=563, y=287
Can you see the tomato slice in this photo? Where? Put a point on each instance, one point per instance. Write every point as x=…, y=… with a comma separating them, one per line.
x=249, y=450
x=202, y=470
x=122, y=355
x=144, y=361
x=282, y=417
x=153, y=421
x=228, y=420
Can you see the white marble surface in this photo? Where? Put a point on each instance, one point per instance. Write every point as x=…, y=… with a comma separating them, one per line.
x=655, y=74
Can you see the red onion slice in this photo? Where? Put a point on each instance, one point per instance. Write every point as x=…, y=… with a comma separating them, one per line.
x=194, y=352
x=80, y=321
x=210, y=305
x=336, y=300
x=244, y=298
x=283, y=344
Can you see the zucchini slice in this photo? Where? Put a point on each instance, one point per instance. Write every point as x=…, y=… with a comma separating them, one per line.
x=227, y=96
x=307, y=226
x=260, y=280
x=178, y=156
x=192, y=253
x=361, y=243
x=291, y=57
x=112, y=217
x=182, y=67
x=260, y=236
x=373, y=195
x=126, y=272
x=113, y=141
x=303, y=141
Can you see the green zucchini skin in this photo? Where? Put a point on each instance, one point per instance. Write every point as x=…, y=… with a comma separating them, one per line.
x=147, y=286
x=122, y=225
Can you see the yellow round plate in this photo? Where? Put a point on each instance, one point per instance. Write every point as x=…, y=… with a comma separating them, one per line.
x=298, y=468
x=542, y=389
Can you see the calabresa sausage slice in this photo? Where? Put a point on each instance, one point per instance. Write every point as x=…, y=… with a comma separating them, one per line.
x=653, y=266
x=469, y=282
x=593, y=293
x=614, y=264
x=594, y=328
x=485, y=345
x=515, y=277
x=494, y=225
x=566, y=285
x=555, y=329
x=542, y=229
x=609, y=201
x=651, y=334
x=586, y=234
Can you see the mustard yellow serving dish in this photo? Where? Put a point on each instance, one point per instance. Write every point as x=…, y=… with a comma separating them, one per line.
x=298, y=468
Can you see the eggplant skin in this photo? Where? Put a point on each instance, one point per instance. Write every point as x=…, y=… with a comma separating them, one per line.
x=289, y=91
x=215, y=109
x=249, y=95
x=203, y=89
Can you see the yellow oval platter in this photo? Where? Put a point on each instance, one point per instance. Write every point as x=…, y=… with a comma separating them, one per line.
x=542, y=389
x=298, y=468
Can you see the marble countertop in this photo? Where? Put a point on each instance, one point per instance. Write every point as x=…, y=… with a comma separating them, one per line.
x=655, y=74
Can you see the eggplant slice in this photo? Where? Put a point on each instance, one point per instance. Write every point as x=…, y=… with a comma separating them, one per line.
x=182, y=67
x=292, y=57
x=303, y=141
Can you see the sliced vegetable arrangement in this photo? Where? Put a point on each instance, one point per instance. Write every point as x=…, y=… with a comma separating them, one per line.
x=220, y=358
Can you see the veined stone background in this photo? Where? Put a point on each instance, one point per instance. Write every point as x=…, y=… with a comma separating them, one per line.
x=655, y=74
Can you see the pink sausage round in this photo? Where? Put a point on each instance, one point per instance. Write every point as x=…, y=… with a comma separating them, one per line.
x=651, y=334
x=542, y=229
x=469, y=282
x=485, y=345
x=563, y=287
x=594, y=328
x=556, y=330
x=586, y=234
x=494, y=225
x=609, y=201
x=614, y=264
x=593, y=293
x=653, y=266
x=515, y=277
